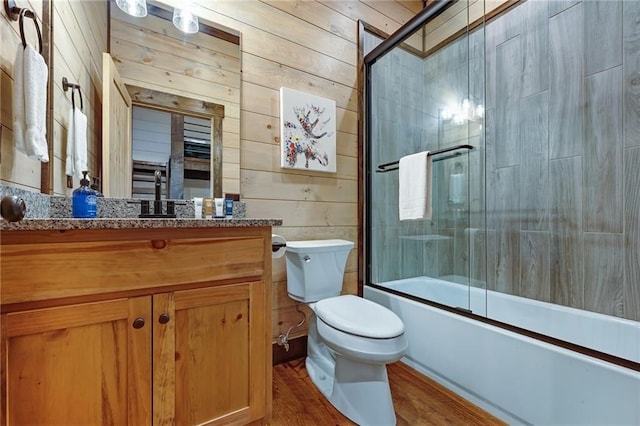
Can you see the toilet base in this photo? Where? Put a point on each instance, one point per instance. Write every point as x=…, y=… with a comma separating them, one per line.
x=358, y=389
x=319, y=377
x=361, y=392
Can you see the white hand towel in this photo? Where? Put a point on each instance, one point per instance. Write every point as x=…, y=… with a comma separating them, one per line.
x=70, y=162
x=80, y=142
x=35, y=77
x=19, y=126
x=76, y=161
x=415, y=186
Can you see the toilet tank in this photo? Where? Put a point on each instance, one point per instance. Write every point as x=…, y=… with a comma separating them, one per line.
x=315, y=268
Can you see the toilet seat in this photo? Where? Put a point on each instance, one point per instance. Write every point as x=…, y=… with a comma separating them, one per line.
x=360, y=348
x=360, y=317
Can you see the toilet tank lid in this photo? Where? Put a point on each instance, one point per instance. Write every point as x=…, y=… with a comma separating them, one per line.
x=359, y=316
x=318, y=245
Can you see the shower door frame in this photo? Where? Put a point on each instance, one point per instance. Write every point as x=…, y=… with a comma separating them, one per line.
x=366, y=168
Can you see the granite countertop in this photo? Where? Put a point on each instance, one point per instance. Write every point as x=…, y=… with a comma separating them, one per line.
x=56, y=224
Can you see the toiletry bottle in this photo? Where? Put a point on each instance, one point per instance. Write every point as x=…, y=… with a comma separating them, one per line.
x=84, y=203
x=218, y=207
x=208, y=208
x=228, y=208
x=197, y=205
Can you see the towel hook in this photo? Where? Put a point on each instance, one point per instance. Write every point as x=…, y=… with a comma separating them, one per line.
x=16, y=13
x=66, y=85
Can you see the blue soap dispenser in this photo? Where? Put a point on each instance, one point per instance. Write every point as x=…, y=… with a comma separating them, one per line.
x=84, y=201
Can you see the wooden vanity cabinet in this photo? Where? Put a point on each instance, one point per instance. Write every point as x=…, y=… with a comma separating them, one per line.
x=193, y=352
x=77, y=364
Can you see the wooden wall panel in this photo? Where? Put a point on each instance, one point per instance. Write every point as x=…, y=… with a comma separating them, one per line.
x=16, y=169
x=458, y=18
x=308, y=46
x=314, y=52
x=80, y=37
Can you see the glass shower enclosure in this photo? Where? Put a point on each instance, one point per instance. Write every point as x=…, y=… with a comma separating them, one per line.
x=531, y=120
x=423, y=97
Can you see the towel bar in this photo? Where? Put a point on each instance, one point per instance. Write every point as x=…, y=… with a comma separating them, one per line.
x=387, y=167
x=16, y=13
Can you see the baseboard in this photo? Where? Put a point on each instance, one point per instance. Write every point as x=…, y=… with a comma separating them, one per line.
x=297, y=350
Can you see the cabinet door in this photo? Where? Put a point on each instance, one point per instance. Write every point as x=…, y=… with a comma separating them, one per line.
x=219, y=346
x=78, y=364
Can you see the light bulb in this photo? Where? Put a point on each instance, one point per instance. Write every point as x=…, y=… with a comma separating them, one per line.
x=137, y=8
x=185, y=20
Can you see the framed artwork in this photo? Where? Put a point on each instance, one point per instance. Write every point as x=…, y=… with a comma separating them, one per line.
x=307, y=131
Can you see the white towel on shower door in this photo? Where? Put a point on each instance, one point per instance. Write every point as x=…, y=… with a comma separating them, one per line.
x=415, y=186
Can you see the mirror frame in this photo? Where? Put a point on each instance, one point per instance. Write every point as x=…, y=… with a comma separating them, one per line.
x=162, y=101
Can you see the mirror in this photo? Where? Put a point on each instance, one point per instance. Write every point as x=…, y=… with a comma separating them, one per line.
x=180, y=137
x=181, y=74
x=179, y=145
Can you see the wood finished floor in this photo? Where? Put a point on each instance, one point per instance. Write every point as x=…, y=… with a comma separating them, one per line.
x=417, y=399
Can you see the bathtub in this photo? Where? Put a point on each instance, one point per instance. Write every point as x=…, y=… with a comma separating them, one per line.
x=517, y=378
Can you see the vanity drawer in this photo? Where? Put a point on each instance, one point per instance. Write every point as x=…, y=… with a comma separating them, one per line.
x=52, y=270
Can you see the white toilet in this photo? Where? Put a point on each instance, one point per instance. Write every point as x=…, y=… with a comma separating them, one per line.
x=351, y=339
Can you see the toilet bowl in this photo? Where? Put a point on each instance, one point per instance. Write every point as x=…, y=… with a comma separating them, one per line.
x=360, y=329
x=350, y=339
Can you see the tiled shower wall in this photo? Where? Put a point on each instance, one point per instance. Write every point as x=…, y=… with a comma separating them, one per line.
x=558, y=157
x=563, y=154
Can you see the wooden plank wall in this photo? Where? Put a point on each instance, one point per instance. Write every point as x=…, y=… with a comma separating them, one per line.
x=16, y=169
x=308, y=46
x=457, y=18
x=151, y=53
x=80, y=36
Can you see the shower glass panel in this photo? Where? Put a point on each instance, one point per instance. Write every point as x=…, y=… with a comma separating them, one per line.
x=536, y=226
x=429, y=96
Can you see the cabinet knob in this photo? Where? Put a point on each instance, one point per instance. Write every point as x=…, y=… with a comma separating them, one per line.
x=164, y=318
x=138, y=323
x=13, y=208
x=158, y=244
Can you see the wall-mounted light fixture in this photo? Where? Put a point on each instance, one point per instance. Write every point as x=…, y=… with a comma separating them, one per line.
x=137, y=8
x=184, y=19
